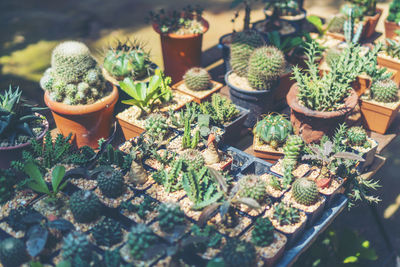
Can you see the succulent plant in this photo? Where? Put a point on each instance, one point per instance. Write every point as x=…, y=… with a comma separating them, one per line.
x=169, y=216
x=137, y=174
x=113, y=258
x=266, y=65
x=293, y=147
x=394, y=11
x=251, y=186
x=197, y=79
x=263, y=232
x=77, y=249
x=285, y=214
x=111, y=183
x=189, y=140
x=170, y=179
x=107, y=232
x=221, y=109
x=7, y=182
x=143, y=209
x=238, y=253
x=385, y=91
x=192, y=158
x=112, y=156
x=140, y=238
x=336, y=23
x=13, y=252
x=209, y=231
x=331, y=56
x=85, y=206
x=392, y=48
x=156, y=127
x=273, y=130
x=357, y=136
x=305, y=191
x=17, y=218
x=74, y=77
x=243, y=45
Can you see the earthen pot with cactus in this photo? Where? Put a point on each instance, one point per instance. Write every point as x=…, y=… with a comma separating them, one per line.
x=81, y=101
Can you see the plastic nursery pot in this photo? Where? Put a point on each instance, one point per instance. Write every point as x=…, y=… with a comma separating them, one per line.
x=264, y=152
x=258, y=102
x=12, y=153
x=311, y=125
x=295, y=21
x=87, y=123
x=390, y=29
x=198, y=96
x=367, y=154
x=181, y=52
x=234, y=128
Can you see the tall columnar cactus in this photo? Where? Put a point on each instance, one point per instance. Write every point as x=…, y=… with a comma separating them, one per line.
x=111, y=183
x=13, y=252
x=273, y=130
x=266, y=65
x=352, y=32
x=252, y=186
x=238, y=253
x=243, y=45
x=263, y=232
x=357, y=136
x=74, y=77
x=85, y=206
x=293, y=147
x=385, y=91
x=197, y=79
x=305, y=191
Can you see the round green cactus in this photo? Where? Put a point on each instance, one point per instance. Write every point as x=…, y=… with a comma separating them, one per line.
x=357, y=136
x=266, y=65
x=273, y=130
x=85, y=206
x=77, y=249
x=305, y=191
x=193, y=158
x=140, y=238
x=293, y=147
x=263, y=232
x=13, y=252
x=385, y=91
x=107, y=232
x=197, y=79
x=238, y=253
x=243, y=45
x=111, y=183
x=169, y=216
x=252, y=186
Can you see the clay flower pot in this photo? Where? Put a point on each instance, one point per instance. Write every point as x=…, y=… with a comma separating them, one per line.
x=311, y=125
x=87, y=123
x=281, y=92
x=181, y=52
x=390, y=29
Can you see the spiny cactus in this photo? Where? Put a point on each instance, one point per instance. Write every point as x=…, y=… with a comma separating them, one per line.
x=252, y=186
x=221, y=109
x=197, y=79
x=76, y=248
x=238, y=253
x=293, y=147
x=385, y=91
x=286, y=215
x=7, y=182
x=189, y=141
x=140, y=238
x=243, y=45
x=336, y=23
x=169, y=179
x=111, y=183
x=273, y=130
x=85, y=206
x=156, y=127
x=357, y=136
x=169, y=216
x=305, y=191
x=263, y=232
x=107, y=232
x=266, y=65
x=13, y=252
x=192, y=158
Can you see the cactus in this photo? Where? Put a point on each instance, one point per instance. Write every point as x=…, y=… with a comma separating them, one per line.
x=189, y=141
x=140, y=238
x=238, y=253
x=85, y=206
x=352, y=33
x=107, y=232
x=13, y=252
x=77, y=249
x=214, y=238
x=263, y=232
x=169, y=216
x=286, y=215
x=273, y=130
x=197, y=79
x=332, y=55
x=156, y=127
x=169, y=179
x=305, y=191
x=251, y=186
x=192, y=158
x=357, y=136
x=266, y=65
x=7, y=182
x=385, y=91
x=111, y=183
x=221, y=109
x=293, y=147
x=243, y=45
x=336, y=23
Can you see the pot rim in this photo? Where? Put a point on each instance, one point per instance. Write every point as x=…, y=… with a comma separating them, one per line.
x=46, y=128
x=293, y=102
x=179, y=36
x=65, y=109
x=303, y=15
x=255, y=92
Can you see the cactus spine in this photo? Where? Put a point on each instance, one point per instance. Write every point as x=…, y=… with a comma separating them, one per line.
x=357, y=136
x=111, y=183
x=197, y=79
x=85, y=206
x=252, y=186
x=385, y=91
x=305, y=191
x=273, y=130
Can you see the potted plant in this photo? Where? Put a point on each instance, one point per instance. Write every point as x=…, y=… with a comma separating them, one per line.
x=269, y=135
x=390, y=55
x=255, y=74
x=380, y=106
x=20, y=125
x=322, y=36
x=392, y=20
x=181, y=36
x=141, y=209
x=81, y=102
x=237, y=253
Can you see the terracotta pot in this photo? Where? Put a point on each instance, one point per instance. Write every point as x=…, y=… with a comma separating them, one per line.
x=181, y=52
x=312, y=125
x=361, y=84
x=377, y=117
x=199, y=96
x=390, y=29
x=392, y=64
x=272, y=156
x=129, y=130
x=371, y=22
x=337, y=36
x=283, y=89
x=12, y=153
x=87, y=123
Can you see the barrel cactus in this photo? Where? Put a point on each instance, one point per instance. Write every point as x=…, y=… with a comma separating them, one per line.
x=243, y=45
x=107, y=232
x=252, y=186
x=77, y=249
x=238, y=253
x=385, y=91
x=140, y=238
x=293, y=147
x=197, y=79
x=357, y=136
x=13, y=252
x=273, y=130
x=263, y=232
x=74, y=77
x=266, y=65
x=111, y=183
x=192, y=158
x=169, y=216
x=305, y=191
x=85, y=206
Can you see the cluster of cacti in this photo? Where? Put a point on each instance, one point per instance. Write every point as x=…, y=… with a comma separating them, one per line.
x=305, y=191
x=107, y=232
x=156, y=127
x=192, y=158
x=357, y=136
x=252, y=186
x=221, y=109
x=76, y=249
x=190, y=112
x=392, y=48
x=169, y=179
x=7, y=182
x=143, y=209
x=128, y=59
x=214, y=237
x=273, y=130
x=263, y=232
x=85, y=206
x=111, y=183
x=13, y=252
x=266, y=65
x=197, y=79
x=385, y=91
x=238, y=253
x=242, y=46
x=189, y=141
x=140, y=238
x=286, y=215
x=169, y=216
x=74, y=77
x=112, y=156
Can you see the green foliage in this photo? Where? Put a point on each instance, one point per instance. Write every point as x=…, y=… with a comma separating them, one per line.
x=77, y=249
x=237, y=253
x=368, y=7
x=197, y=79
x=13, y=252
x=287, y=44
x=288, y=168
x=332, y=55
x=251, y=186
x=189, y=141
x=85, y=206
x=286, y=215
x=357, y=136
x=170, y=216
x=263, y=232
x=209, y=231
x=392, y=48
x=116, y=157
x=111, y=183
x=221, y=110
x=107, y=232
x=317, y=23
x=143, y=209
x=273, y=130
x=113, y=258
x=275, y=183
x=170, y=179
x=7, y=182
x=352, y=32
x=283, y=8
x=140, y=238
x=385, y=91
x=394, y=12
x=305, y=191
x=190, y=112
x=156, y=127
x=293, y=148
x=192, y=158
